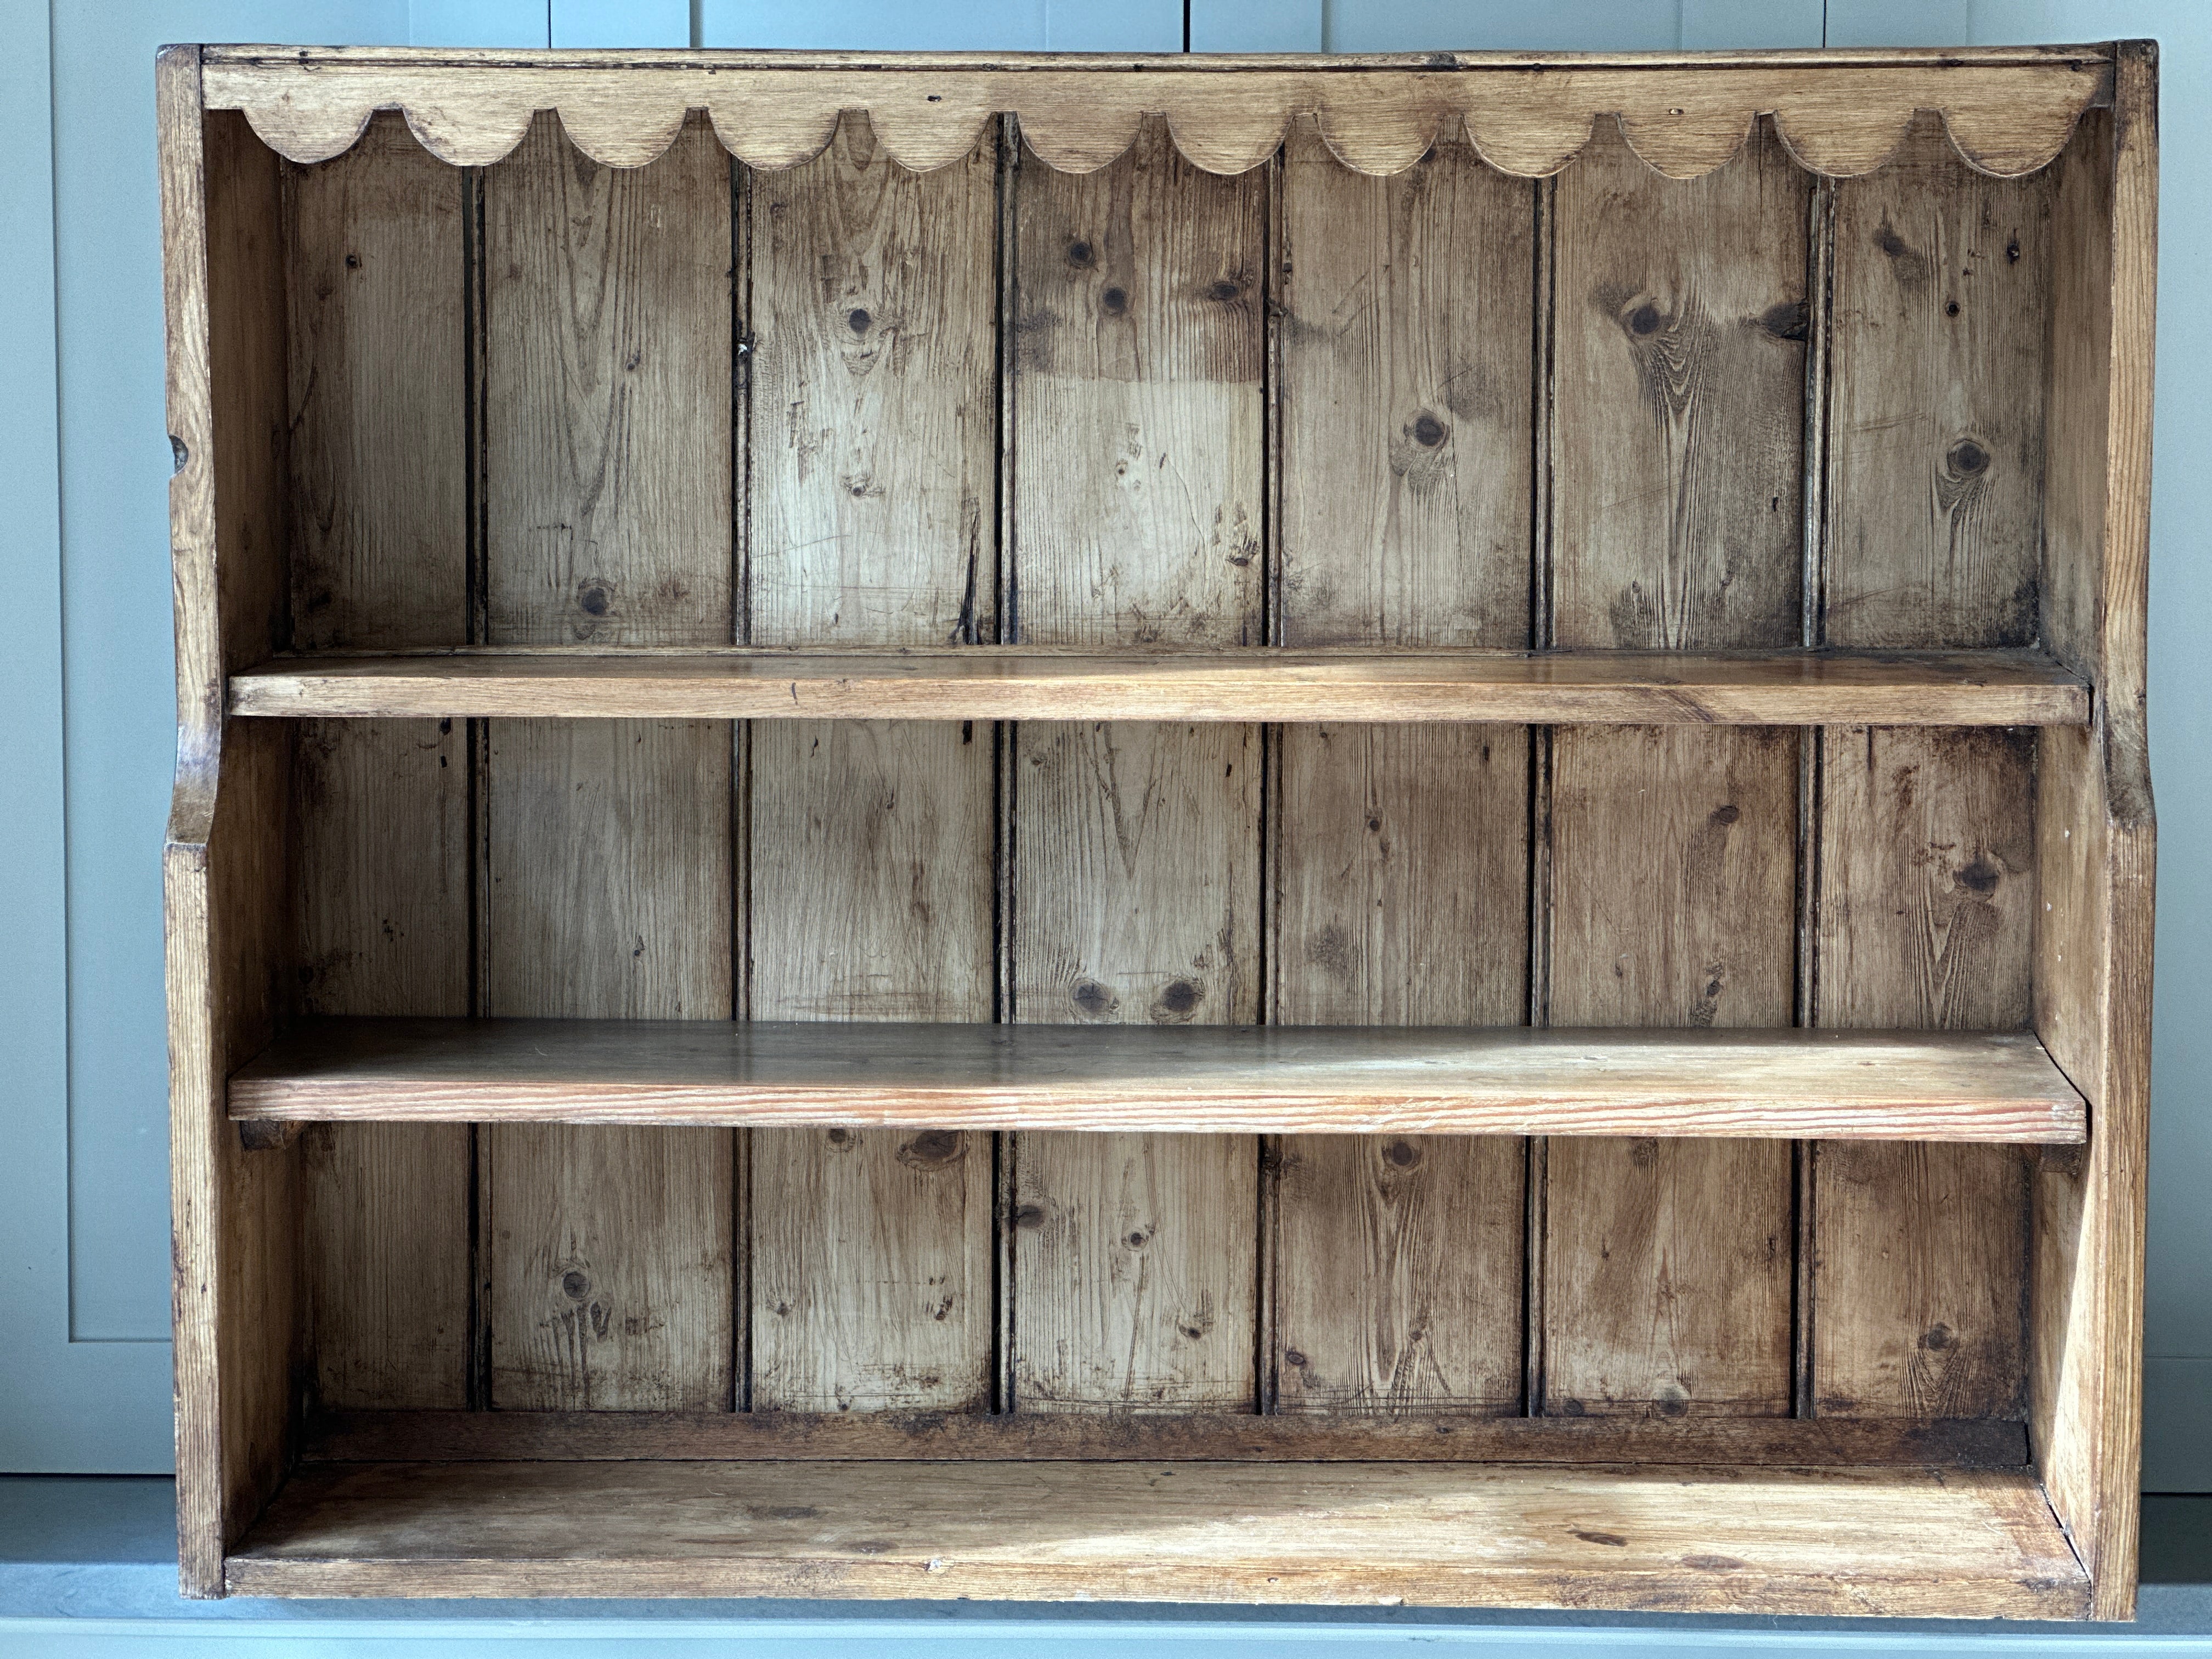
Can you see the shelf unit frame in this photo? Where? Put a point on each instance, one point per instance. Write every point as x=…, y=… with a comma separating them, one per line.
x=1801, y=1513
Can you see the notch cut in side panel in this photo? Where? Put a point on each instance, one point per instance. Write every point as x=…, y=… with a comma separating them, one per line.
x=378, y=355
x=607, y=846
x=1134, y=474
x=1403, y=404
x=1679, y=326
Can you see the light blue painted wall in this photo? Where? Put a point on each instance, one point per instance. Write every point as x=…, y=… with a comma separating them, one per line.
x=82, y=1197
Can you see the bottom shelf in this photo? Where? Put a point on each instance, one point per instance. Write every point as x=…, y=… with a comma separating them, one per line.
x=1890, y=1542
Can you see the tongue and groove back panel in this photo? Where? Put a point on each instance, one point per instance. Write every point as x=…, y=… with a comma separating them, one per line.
x=549, y=402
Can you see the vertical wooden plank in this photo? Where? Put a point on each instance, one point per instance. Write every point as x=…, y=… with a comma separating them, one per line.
x=607, y=845
x=1926, y=912
x=873, y=318
x=380, y=561
x=1401, y=853
x=1678, y=388
x=1926, y=907
x=1135, y=472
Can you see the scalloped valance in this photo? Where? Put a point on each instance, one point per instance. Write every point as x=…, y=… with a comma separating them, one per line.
x=2009, y=112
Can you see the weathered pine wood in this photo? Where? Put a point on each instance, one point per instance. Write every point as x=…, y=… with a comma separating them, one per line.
x=225, y=865
x=2011, y=110
x=1678, y=393
x=1925, y=914
x=1378, y=1080
x=874, y=461
x=1450, y=1437
x=380, y=559
x=1135, y=478
x=2096, y=841
x=1773, y=688
x=1401, y=853
x=607, y=883
x=1941, y=327
x=1895, y=1542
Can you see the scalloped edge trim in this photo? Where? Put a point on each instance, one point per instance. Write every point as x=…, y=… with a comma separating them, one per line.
x=2004, y=120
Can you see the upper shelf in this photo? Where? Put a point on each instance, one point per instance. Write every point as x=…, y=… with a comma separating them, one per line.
x=1794, y=1085
x=1001, y=682
x=2008, y=110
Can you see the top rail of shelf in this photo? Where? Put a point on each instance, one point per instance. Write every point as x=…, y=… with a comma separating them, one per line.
x=1016, y=682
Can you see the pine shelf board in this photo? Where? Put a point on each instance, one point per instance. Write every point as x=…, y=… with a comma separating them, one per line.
x=1789, y=1084
x=1897, y=1542
x=998, y=682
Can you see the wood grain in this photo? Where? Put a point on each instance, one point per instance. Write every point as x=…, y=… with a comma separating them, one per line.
x=2010, y=110
x=1340, y=685
x=1453, y=1437
x=2096, y=852
x=1679, y=394
x=1942, y=329
x=225, y=863
x=1136, y=423
x=377, y=356
x=1109, y=1076
x=1401, y=853
x=1830, y=1541
x=873, y=469
x=607, y=886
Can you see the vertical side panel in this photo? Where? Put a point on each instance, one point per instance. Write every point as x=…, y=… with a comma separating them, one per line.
x=1136, y=477
x=226, y=878
x=607, y=844
x=2096, y=833
x=1401, y=853
x=379, y=553
x=874, y=456
x=1678, y=486
x=1926, y=907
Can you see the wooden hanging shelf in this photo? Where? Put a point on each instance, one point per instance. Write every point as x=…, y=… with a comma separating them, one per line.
x=1791, y=1084
x=985, y=682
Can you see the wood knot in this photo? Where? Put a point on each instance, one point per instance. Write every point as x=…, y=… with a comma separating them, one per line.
x=1402, y=1153
x=1644, y=320
x=932, y=1149
x=1177, y=999
x=857, y=320
x=1429, y=431
x=1115, y=301
x=1225, y=290
x=575, y=1286
x=1081, y=256
x=1091, y=998
x=1967, y=458
x=1726, y=815
x=1789, y=320
x=1611, y=1539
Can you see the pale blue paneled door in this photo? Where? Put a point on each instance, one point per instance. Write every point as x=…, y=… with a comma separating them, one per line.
x=84, y=1188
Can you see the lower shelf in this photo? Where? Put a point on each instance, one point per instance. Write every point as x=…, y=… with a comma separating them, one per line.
x=1794, y=1085
x=1889, y=1541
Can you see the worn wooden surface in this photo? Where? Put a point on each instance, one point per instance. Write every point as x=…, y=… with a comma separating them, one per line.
x=1889, y=688
x=226, y=862
x=1134, y=471
x=1831, y=1541
x=871, y=485
x=378, y=358
x=1395, y=1079
x=2010, y=110
x=1450, y=1435
x=2096, y=847
x=607, y=885
x=1400, y=853
x=1677, y=480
